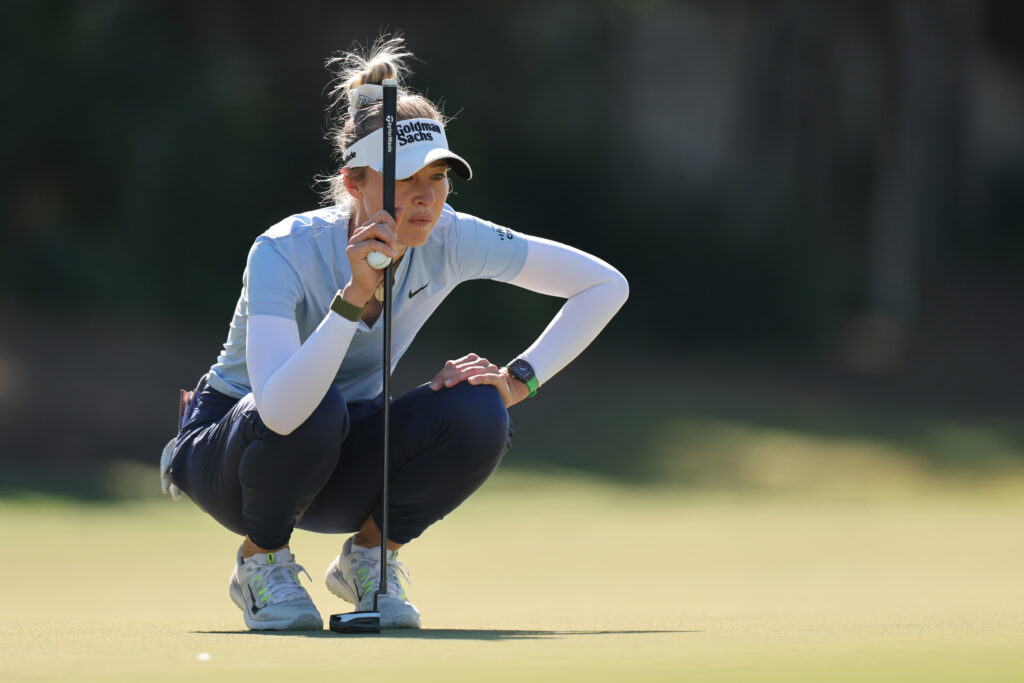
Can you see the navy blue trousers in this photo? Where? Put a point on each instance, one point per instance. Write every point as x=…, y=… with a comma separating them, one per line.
x=326, y=476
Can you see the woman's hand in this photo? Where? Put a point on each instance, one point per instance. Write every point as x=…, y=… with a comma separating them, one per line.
x=476, y=370
x=377, y=234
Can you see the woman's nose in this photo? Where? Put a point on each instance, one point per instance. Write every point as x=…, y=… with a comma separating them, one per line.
x=424, y=195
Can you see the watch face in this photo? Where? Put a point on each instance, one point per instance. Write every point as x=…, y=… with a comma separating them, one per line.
x=521, y=370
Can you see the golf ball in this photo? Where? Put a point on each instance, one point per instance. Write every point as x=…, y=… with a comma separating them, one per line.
x=378, y=260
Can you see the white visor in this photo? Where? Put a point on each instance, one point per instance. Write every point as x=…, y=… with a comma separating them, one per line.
x=420, y=142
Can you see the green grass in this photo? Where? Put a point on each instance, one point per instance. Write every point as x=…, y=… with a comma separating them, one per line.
x=547, y=579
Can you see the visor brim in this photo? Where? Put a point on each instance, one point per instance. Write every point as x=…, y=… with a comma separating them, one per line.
x=409, y=161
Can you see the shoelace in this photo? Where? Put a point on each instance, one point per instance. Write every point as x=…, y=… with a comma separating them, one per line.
x=395, y=570
x=281, y=581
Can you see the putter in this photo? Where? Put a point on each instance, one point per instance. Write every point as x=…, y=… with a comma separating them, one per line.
x=369, y=622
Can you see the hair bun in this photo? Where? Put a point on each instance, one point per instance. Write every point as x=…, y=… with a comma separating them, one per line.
x=377, y=71
x=385, y=59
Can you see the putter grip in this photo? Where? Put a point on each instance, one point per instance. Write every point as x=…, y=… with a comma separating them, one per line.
x=390, y=106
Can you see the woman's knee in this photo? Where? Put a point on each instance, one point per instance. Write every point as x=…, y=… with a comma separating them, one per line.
x=479, y=416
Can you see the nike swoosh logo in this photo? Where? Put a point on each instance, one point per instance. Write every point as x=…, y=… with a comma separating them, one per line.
x=254, y=608
x=412, y=294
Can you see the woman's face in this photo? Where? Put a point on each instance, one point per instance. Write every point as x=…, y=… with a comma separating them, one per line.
x=419, y=200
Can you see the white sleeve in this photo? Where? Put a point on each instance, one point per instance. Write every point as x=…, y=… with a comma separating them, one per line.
x=290, y=380
x=595, y=292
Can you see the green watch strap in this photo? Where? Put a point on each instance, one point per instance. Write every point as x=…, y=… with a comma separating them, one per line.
x=521, y=370
x=345, y=309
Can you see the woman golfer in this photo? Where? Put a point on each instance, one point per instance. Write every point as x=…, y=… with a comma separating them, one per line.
x=285, y=431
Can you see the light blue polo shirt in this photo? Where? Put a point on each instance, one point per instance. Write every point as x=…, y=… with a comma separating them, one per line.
x=296, y=267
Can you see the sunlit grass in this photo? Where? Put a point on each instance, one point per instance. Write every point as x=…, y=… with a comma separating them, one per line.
x=547, y=578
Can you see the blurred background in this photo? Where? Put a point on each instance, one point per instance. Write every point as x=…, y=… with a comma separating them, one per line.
x=819, y=207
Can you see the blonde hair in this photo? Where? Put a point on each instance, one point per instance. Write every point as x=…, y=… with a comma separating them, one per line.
x=385, y=59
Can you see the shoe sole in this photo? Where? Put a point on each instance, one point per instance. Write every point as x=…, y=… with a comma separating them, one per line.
x=301, y=622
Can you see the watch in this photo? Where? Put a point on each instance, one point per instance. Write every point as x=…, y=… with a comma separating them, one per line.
x=523, y=371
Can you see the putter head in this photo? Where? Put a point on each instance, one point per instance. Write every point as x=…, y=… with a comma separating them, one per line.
x=356, y=622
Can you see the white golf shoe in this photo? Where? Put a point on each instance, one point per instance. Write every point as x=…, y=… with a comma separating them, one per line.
x=354, y=576
x=266, y=588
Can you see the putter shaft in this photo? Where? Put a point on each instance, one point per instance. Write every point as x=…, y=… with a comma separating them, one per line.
x=390, y=106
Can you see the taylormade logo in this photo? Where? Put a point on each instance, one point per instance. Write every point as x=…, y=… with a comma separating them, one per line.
x=349, y=156
x=389, y=124
x=417, y=131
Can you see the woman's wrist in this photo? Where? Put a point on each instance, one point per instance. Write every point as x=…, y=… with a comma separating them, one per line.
x=345, y=309
x=355, y=296
x=518, y=390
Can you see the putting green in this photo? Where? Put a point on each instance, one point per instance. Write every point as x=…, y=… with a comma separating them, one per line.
x=545, y=579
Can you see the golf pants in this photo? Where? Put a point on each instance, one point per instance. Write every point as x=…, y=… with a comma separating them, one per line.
x=326, y=476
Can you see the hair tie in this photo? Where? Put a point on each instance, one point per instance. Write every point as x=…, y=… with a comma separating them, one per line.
x=364, y=95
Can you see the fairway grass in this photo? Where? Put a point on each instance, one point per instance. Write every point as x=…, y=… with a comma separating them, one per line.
x=545, y=579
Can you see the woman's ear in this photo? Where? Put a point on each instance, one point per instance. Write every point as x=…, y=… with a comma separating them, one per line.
x=351, y=186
